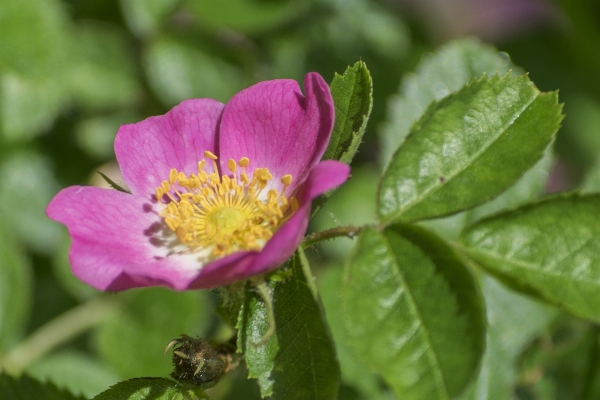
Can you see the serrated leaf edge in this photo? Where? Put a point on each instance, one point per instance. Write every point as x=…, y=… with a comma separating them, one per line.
x=435, y=104
x=422, y=327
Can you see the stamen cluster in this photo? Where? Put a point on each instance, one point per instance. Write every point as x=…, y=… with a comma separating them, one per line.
x=222, y=212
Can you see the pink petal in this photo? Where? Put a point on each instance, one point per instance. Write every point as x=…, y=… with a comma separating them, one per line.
x=113, y=234
x=147, y=151
x=276, y=127
x=325, y=176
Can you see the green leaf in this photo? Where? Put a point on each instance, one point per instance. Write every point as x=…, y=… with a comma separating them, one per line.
x=247, y=16
x=15, y=289
x=133, y=340
x=549, y=249
x=531, y=186
x=26, y=388
x=96, y=136
x=413, y=312
x=353, y=99
x=436, y=76
x=352, y=368
x=26, y=187
x=513, y=322
x=468, y=148
x=103, y=72
x=33, y=55
x=28, y=107
x=178, y=71
x=145, y=16
x=298, y=361
x=76, y=371
x=148, y=389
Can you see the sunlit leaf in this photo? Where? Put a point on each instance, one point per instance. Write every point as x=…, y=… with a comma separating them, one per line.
x=352, y=95
x=513, y=321
x=413, y=312
x=531, y=186
x=450, y=161
x=549, y=249
x=298, y=361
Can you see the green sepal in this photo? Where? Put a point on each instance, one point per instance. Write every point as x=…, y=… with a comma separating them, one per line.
x=113, y=184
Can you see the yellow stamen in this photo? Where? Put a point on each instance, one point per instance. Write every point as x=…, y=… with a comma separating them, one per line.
x=173, y=176
x=225, y=213
x=286, y=180
x=209, y=154
x=231, y=165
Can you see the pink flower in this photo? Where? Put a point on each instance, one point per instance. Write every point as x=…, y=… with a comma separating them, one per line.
x=218, y=192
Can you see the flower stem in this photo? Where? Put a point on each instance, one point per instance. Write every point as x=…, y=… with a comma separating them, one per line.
x=56, y=332
x=314, y=238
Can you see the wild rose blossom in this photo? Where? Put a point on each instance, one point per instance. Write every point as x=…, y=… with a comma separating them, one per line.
x=218, y=192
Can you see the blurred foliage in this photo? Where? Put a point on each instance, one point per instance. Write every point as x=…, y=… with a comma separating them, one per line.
x=72, y=71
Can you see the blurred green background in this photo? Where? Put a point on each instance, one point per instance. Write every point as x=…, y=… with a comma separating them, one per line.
x=72, y=71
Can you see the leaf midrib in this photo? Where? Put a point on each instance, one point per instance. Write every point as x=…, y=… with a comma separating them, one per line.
x=463, y=167
x=533, y=267
x=422, y=327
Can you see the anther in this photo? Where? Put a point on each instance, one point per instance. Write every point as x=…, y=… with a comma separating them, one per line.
x=173, y=176
x=231, y=165
x=181, y=233
x=209, y=154
x=195, y=198
x=286, y=180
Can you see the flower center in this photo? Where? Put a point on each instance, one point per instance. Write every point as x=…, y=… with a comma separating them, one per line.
x=224, y=213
